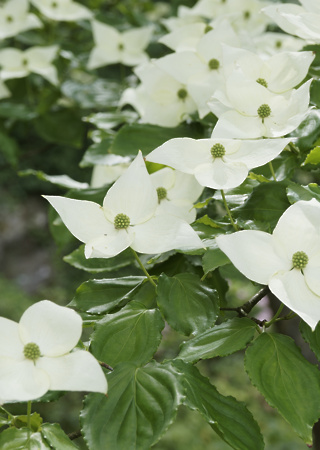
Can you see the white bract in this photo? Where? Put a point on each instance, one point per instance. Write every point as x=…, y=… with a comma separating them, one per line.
x=288, y=260
x=160, y=99
x=185, y=37
x=112, y=47
x=177, y=192
x=17, y=63
x=248, y=110
x=36, y=355
x=269, y=43
x=14, y=18
x=302, y=21
x=109, y=169
x=126, y=219
x=63, y=10
x=217, y=163
x=4, y=91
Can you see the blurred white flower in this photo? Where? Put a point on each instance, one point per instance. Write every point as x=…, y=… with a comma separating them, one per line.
x=269, y=43
x=14, y=18
x=4, y=91
x=126, y=219
x=36, y=355
x=112, y=47
x=287, y=260
x=217, y=163
x=177, y=192
x=62, y=10
x=185, y=37
x=17, y=63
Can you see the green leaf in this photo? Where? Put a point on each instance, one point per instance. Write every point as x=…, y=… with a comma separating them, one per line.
x=132, y=138
x=130, y=335
x=101, y=296
x=112, y=119
x=214, y=258
x=311, y=337
x=286, y=379
x=22, y=421
x=141, y=404
x=313, y=157
x=56, y=437
x=229, y=418
x=21, y=439
x=59, y=180
x=188, y=305
x=221, y=340
x=9, y=148
x=297, y=192
x=308, y=131
x=99, y=93
x=98, y=265
x=98, y=153
x=266, y=204
x=16, y=111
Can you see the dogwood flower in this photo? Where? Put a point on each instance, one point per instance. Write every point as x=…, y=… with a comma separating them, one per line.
x=217, y=163
x=185, y=37
x=248, y=110
x=36, y=355
x=288, y=260
x=112, y=47
x=126, y=219
x=17, y=63
x=177, y=192
x=302, y=21
x=269, y=43
x=110, y=169
x=14, y=18
x=4, y=91
x=64, y=10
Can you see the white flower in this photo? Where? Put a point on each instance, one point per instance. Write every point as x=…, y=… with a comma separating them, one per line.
x=17, y=63
x=248, y=110
x=4, y=91
x=177, y=192
x=185, y=37
x=64, y=10
x=287, y=260
x=268, y=44
x=245, y=15
x=278, y=73
x=217, y=163
x=126, y=219
x=109, y=170
x=35, y=355
x=112, y=47
x=205, y=8
x=160, y=99
x=302, y=21
x=14, y=18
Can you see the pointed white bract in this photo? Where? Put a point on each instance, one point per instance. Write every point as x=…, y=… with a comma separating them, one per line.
x=37, y=354
x=269, y=43
x=18, y=64
x=62, y=10
x=128, y=218
x=217, y=163
x=14, y=18
x=288, y=260
x=113, y=47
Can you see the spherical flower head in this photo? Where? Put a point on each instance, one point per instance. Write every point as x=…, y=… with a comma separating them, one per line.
x=182, y=93
x=299, y=260
x=121, y=221
x=208, y=28
x=162, y=193
x=32, y=351
x=218, y=150
x=214, y=64
x=264, y=111
x=262, y=81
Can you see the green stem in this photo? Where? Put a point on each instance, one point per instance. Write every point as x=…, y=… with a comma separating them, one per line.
x=274, y=318
x=235, y=226
x=272, y=171
x=6, y=412
x=143, y=268
x=29, y=415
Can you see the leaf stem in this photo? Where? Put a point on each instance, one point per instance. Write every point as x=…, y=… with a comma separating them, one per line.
x=143, y=268
x=235, y=226
x=272, y=171
x=29, y=414
x=275, y=317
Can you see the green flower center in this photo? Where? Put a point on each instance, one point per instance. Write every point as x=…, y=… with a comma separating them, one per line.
x=121, y=221
x=278, y=44
x=162, y=193
x=299, y=260
x=120, y=47
x=54, y=5
x=25, y=62
x=213, y=64
x=208, y=28
x=182, y=93
x=218, y=150
x=264, y=111
x=246, y=15
x=32, y=351
x=9, y=19
x=262, y=81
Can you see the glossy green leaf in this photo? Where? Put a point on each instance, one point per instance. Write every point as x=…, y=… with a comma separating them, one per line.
x=101, y=296
x=229, y=418
x=286, y=379
x=132, y=138
x=112, y=119
x=98, y=265
x=133, y=334
x=188, y=305
x=9, y=148
x=17, y=111
x=221, y=340
x=22, y=439
x=22, y=421
x=213, y=258
x=297, y=192
x=311, y=337
x=99, y=93
x=59, y=180
x=141, y=404
x=98, y=154
x=313, y=157
x=56, y=437
x=308, y=131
